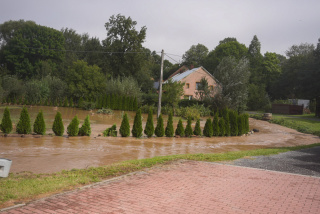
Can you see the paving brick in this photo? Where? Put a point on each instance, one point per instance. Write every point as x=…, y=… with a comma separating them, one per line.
x=191, y=187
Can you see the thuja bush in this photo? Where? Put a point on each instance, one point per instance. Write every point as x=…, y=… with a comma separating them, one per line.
x=137, y=125
x=246, y=123
x=73, y=127
x=85, y=129
x=125, y=126
x=222, y=127
x=241, y=125
x=208, y=129
x=159, y=131
x=135, y=104
x=71, y=102
x=149, y=129
x=180, y=129
x=6, y=123
x=188, y=130
x=215, y=125
x=197, y=128
x=39, y=126
x=57, y=127
x=24, y=125
x=112, y=131
x=169, y=129
x=65, y=102
x=225, y=116
x=233, y=116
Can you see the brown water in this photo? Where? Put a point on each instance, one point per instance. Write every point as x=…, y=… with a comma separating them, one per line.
x=50, y=153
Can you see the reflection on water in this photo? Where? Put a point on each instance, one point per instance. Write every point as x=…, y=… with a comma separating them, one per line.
x=51, y=153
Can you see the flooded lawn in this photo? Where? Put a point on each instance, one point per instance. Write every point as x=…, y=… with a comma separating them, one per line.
x=50, y=153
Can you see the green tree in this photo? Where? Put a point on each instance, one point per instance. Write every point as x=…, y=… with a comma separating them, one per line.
x=125, y=126
x=159, y=131
x=57, y=127
x=24, y=125
x=85, y=129
x=233, y=75
x=21, y=61
x=149, y=129
x=39, y=126
x=6, y=123
x=234, y=130
x=188, y=130
x=73, y=127
x=122, y=37
x=172, y=93
x=222, y=127
x=195, y=56
x=169, y=129
x=208, y=129
x=180, y=129
x=228, y=47
x=215, y=125
x=84, y=80
x=204, y=92
x=197, y=128
x=137, y=125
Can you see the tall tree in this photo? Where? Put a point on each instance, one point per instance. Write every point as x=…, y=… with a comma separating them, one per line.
x=122, y=40
x=195, y=56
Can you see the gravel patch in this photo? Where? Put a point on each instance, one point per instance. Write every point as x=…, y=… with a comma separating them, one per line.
x=303, y=162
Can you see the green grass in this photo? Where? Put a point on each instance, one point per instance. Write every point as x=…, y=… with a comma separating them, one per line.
x=27, y=186
x=306, y=123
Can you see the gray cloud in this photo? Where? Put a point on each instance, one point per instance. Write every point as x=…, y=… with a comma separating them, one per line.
x=175, y=25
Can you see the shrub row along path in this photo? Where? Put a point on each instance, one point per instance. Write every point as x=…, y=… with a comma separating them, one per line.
x=51, y=154
x=190, y=187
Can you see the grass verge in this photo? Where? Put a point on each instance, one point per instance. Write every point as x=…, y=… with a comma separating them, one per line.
x=26, y=186
x=301, y=123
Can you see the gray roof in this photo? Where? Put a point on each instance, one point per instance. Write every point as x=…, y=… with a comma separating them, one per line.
x=179, y=77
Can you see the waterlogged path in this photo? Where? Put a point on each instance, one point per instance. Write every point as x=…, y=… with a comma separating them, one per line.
x=51, y=154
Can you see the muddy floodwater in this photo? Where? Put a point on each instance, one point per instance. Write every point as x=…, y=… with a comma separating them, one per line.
x=44, y=154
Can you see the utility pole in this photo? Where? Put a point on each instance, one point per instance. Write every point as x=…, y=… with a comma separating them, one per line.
x=160, y=84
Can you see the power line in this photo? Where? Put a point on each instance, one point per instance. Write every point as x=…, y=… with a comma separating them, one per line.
x=172, y=58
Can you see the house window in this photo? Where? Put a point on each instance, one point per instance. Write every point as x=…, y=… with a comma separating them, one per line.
x=187, y=85
x=197, y=85
x=211, y=87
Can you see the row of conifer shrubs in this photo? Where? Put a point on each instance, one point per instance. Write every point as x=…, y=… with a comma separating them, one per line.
x=230, y=124
x=39, y=125
x=114, y=102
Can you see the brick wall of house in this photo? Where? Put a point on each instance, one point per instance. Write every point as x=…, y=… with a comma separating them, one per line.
x=192, y=79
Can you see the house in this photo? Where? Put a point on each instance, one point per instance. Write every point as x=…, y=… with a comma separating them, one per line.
x=191, y=79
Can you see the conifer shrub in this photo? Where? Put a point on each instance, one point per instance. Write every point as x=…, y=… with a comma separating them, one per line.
x=169, y=129
x=71, y=103
x=46, y=102
x=188, y=130
x=73, y=127
x=246, y=123
x=233, y=116
x=124, y=103
x=6, y=123
x=80, y=102
x=197, y=129
x=131, y=108
x=137, y=125
x=225, y=116
x=57, y=127
x=222, y=127
x=208, y=129
x=108, y=102
x=241, y=125
x=180, y=129
x=125, y=126
x=24, y=125
x=135, y=104
x=149, y=129
x=159, y=131
x=39, y=126
x=112, y=131
x=85, y=129
x=65, y=102
x=215, y=125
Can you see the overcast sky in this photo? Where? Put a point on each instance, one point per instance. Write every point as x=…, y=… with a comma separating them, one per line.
x=175, y=25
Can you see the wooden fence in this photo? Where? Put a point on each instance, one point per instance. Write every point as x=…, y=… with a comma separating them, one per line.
x=287, y=109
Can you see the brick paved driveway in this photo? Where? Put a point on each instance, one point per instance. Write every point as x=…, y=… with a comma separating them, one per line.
x=190, y=187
